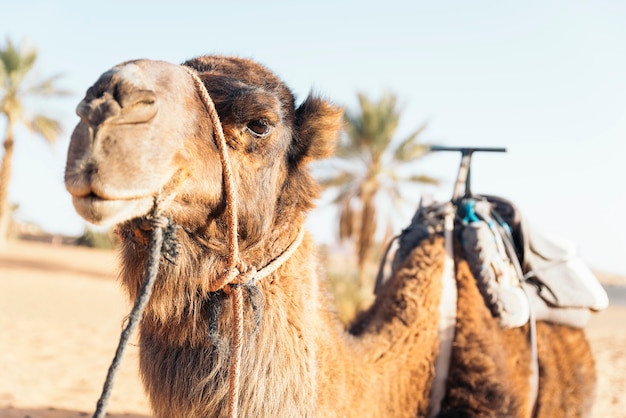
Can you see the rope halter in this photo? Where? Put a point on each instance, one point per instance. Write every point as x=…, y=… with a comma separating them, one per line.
x=236, y=273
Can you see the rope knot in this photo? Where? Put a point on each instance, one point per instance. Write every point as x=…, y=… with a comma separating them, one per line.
x=240, y=276
x=246, y=275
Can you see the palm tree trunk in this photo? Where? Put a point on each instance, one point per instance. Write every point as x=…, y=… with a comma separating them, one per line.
x=366, y=238
x=5, y=179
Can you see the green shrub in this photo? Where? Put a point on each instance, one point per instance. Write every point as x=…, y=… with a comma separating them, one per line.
x=98, y=239
x=343, y=277
x=344, y=284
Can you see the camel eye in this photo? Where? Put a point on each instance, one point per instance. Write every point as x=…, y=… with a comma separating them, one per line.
x=259, y=128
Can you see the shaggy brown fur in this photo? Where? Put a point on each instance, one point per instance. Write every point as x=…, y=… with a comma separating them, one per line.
x=144, y=138
x=490, y=372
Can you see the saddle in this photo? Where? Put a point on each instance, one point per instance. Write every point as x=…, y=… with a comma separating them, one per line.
x=560, y=286
x=517, y=268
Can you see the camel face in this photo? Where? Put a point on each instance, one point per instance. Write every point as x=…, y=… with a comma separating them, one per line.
x=144, y=135
x=124, y=150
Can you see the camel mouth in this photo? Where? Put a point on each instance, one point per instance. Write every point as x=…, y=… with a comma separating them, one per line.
x=108, y=212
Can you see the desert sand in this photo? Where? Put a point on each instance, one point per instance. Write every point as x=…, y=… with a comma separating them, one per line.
x=62, y=310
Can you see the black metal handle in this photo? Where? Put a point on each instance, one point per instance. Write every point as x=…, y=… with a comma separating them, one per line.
x=467, y=150
x=463, y=177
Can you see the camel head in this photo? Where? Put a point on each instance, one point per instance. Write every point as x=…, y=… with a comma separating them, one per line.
x=144, y=137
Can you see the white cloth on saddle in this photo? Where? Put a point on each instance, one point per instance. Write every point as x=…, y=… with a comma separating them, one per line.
x=573, y=317
x=566, y=281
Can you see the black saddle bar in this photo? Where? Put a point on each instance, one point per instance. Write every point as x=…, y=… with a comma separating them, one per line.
x=463, y=176
x=467, y=150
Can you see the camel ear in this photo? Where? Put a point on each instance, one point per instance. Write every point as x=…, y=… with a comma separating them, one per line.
x=318, y=125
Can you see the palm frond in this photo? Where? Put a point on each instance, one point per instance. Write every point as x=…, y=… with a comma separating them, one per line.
x=422, y=179
x=371, y=129
x=409, y=148
x=47, y=87
x=48, y=128
x=346, y=192
x=17, y=62
x=337, y=180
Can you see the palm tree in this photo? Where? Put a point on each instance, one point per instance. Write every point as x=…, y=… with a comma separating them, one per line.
x=370, y=170
x=15, y=65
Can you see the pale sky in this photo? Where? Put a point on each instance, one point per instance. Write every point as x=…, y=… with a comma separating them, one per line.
x=545, y=79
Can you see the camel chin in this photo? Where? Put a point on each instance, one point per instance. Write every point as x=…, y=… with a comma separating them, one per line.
x=108, y=212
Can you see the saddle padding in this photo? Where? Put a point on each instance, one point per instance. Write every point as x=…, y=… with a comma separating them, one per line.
x=563, y=279
x=552, y=264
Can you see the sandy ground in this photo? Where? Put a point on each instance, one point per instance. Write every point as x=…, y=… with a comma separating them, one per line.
x=61, y=313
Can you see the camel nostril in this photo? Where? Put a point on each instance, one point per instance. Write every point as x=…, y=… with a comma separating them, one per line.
x=137, y=98
x=137, y=106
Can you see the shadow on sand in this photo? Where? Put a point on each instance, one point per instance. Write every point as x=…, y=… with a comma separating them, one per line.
x=10, y=412
x=57, y=267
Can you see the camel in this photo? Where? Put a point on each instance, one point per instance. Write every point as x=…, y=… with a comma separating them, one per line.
x=144, y=140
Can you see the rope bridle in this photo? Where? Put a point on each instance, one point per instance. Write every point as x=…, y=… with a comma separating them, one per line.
x=235, y=276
